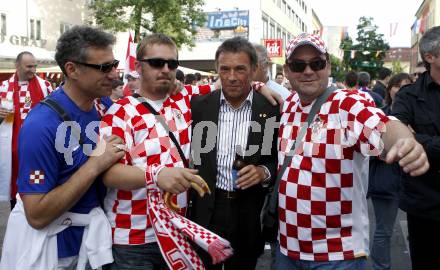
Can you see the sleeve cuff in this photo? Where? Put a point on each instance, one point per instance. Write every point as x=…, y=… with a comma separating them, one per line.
x=151, y=174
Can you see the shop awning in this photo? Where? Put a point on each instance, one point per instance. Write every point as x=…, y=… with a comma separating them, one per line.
x=10, y=51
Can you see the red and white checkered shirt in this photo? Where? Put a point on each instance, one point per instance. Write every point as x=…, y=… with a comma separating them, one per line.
x=322, y=194
x=25, y=102
x=148, y=147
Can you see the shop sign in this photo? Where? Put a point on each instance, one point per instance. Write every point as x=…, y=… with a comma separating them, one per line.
x=274, y=47
x=227, y=19
x=23, y=41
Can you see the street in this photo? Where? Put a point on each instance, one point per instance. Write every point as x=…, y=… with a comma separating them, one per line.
x=399, y=250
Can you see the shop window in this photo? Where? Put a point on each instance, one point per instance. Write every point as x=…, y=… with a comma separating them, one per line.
x=3, y=24
x=35, y=29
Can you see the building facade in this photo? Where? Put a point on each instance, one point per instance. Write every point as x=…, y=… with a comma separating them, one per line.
x=35, y=26
x=427, y=16
x=398, y=59
x=260, y=21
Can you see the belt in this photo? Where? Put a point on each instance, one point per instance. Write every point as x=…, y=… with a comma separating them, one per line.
x=225, y=194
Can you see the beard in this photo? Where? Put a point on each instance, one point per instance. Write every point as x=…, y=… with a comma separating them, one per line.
x=164, y=88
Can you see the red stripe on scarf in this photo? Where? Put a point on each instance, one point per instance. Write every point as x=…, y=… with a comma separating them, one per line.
x=37, y=95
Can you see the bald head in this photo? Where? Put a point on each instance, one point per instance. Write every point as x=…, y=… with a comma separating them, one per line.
x=26, y=66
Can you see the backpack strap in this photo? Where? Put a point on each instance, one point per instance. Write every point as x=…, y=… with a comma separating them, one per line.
x=63, y=115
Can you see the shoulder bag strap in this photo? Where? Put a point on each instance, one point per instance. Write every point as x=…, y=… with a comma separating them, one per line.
x=273, y=203
x=164, y=124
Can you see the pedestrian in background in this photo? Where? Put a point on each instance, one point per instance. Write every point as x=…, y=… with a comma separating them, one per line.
x=384, y=183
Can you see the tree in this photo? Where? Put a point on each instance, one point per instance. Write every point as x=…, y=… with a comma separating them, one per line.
x=396, y=67
x=370, y=48
x=175, y=18
x=337, y=69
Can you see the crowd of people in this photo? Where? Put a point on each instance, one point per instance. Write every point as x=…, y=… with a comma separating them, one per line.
x=160, y=174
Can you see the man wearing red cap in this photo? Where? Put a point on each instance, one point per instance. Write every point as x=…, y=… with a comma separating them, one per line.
x=18, y=95
x=323, y=218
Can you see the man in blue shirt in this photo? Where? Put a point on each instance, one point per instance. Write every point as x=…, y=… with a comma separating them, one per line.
x=59, y=172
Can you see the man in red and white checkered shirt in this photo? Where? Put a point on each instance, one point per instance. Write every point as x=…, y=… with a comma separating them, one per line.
x=150, y=153
x=322, y=194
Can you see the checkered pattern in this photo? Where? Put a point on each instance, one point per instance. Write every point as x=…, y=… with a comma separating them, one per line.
x=25, y=101
x=173, y=232
x=100, y=108
x=176, y=250
x=149, y=147
x=322, y=194
x=305, y=39
x=36, y=177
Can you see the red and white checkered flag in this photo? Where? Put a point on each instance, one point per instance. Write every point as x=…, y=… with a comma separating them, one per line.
x=129, y=64
x=36, y=177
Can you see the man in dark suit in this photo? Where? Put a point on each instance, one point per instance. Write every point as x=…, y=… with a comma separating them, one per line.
x=235, y=117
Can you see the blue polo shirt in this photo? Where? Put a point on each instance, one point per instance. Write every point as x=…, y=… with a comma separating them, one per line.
x=48, y=158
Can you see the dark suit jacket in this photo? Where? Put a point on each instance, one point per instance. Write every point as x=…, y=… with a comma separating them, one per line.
x=206, y=108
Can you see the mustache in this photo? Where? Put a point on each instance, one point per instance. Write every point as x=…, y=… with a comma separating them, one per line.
x=164, y=78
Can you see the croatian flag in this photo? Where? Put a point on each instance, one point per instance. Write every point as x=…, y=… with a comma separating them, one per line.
x=129, y=64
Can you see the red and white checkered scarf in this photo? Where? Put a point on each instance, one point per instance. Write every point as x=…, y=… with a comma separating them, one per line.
x=173, y=231
x=23, y=101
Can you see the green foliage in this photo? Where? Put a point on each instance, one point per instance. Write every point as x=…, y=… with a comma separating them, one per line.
x=368, y=43
x=396, y=67
x=175, y=18
x=338, y=70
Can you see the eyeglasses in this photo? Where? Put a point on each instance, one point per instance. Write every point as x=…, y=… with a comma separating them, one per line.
x=160, y=62
x=106, y=67
x=300, y=65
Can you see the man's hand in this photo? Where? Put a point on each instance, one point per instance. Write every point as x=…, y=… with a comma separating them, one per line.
x=273, y=97
x=4, y=112
x=250, y=175
x=107, y=153
x=176, y=180
x=410, y=155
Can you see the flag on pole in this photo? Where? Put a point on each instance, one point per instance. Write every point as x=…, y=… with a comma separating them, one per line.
x=393, y=28
x=129, y=69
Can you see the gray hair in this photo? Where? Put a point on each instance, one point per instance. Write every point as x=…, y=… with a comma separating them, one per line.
x=261, y=53
x=363, y=78
x=430, y=43
x=75, y=42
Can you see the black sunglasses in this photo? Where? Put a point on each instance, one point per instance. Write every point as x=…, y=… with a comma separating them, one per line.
x=106, y=67
x=160, y=62
x=300, y=65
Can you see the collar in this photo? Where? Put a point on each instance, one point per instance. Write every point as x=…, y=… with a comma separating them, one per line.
x=248, y=100
x=430, y=84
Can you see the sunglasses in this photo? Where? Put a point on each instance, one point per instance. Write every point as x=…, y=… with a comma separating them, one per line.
x=160, y=62
x=106, y=67
x=300, y=65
